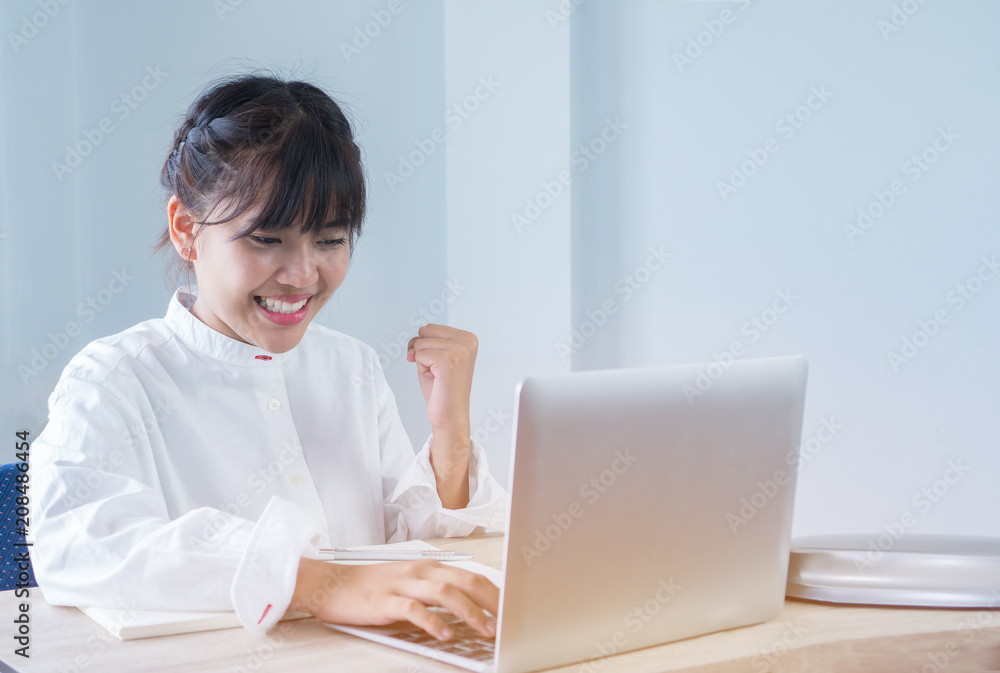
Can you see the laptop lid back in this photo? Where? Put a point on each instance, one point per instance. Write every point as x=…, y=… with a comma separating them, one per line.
x=647, y=505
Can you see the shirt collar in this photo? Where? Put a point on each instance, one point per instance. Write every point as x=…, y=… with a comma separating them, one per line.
x=203, y=339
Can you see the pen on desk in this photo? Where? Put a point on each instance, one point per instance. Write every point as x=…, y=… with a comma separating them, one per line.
x=396, y=555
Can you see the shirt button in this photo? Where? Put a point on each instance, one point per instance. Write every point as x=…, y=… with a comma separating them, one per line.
x=298, y=479
x=274, y=405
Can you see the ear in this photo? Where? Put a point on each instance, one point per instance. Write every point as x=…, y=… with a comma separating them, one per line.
x=181, y=225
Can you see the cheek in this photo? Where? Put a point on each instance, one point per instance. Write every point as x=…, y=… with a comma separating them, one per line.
x=336, y=270
x=244, y=276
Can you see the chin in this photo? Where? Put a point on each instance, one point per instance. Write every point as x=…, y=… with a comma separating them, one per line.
x=281, y=345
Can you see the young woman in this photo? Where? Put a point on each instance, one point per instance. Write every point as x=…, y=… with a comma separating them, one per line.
x=201, y=460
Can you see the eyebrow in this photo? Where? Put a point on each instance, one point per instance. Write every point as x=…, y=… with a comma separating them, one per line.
x=337, y=223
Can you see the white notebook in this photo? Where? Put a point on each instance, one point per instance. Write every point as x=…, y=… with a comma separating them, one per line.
x=132, y=624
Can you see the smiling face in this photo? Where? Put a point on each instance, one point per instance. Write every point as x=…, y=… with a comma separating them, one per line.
x=265, y=288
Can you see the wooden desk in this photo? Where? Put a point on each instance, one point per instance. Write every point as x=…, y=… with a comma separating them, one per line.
x=806, y=637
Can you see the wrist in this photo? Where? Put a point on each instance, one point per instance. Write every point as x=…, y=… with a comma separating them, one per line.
x=454, y=423
x=451, y=440
x=449, y=458
x=304, y=581
x=315, y=582
x=450, y=453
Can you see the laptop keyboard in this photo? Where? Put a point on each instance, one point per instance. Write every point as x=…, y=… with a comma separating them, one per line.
x=467, y=642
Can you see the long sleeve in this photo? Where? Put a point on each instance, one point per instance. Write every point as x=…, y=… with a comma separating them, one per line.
x=413, y=509
x=104, y=536
x=418, y=510
x=185, y=470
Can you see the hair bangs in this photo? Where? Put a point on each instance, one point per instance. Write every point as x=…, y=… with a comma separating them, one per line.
x=309, y=182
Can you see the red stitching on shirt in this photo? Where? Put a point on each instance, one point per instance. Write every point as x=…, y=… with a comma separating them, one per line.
x=262, y=357
x=266, y=610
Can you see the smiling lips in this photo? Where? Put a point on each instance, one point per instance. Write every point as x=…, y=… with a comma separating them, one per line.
x=283, y=312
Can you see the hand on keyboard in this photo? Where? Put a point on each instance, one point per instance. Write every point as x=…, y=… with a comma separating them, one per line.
x=397, y=591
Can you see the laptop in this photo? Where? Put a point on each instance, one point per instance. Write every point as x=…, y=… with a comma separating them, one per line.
x=648, y=505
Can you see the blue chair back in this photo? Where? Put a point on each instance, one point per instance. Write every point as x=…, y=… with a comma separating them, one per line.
x=11, y=539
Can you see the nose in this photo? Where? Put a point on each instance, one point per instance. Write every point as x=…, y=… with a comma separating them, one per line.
x=298, y=268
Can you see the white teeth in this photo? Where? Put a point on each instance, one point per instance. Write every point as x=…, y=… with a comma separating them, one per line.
x=281, y=306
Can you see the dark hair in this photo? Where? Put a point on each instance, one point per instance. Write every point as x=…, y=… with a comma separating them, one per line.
x=252, y=138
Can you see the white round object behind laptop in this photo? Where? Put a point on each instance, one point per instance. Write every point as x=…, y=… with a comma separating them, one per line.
x=952, y=571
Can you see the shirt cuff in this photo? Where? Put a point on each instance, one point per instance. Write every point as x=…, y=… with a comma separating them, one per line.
x=417, y=492
x=265, y=578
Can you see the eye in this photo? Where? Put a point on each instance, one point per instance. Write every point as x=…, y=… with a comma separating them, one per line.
x=334, y=242
x=264, y=240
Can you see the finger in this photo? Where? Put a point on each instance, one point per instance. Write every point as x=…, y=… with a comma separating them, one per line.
x=438, y=362
x=444, y=354
x=418, y=343
x=449, y=334
x=441, y=331
x=477, y=587
x=447, y=595
x=431, y=343
x=474, y=587
x=465, y=594
x=441, y=358
x=412, y=610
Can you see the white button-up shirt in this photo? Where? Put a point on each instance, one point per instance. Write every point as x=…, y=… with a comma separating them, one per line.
x=182, y=469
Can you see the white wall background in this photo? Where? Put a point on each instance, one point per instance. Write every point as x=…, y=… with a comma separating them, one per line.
x=558, y=78
x=858, y=296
